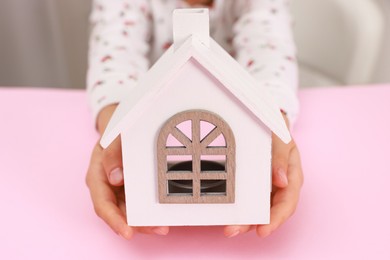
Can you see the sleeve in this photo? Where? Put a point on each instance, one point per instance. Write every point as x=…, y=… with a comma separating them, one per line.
x=264, y=45
x=118, y=50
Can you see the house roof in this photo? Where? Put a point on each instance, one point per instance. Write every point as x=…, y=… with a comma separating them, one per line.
x=220, y=64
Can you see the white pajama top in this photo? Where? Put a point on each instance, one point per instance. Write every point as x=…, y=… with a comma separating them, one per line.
x=128, y=36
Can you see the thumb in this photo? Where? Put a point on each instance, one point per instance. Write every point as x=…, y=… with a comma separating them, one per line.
x=112, y=162
x=280, y=157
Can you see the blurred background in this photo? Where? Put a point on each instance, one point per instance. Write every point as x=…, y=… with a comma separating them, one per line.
x=340, y=42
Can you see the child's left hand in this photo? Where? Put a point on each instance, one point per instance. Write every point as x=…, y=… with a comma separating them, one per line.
x=287, y=180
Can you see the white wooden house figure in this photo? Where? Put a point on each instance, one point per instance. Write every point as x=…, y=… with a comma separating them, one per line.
x=196, y=136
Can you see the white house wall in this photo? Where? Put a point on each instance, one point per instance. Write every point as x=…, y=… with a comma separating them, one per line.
x=194, y=88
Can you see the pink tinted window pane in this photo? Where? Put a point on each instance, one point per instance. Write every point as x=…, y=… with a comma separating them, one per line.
x=205, y=129
x=210, y=163
x=185, y=128
x=218, y=142
x=173, y=142
x=179, y=163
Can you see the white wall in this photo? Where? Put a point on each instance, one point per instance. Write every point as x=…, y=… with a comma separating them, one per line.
x=44, y=43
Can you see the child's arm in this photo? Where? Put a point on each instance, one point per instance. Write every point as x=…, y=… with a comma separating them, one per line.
x=264, y=45
x=118, y=49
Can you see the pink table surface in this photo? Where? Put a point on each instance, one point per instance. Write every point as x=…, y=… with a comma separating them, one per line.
x=45, y=141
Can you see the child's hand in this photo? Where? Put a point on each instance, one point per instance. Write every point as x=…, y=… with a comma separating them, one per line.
x=105, y=182
x=287, y=180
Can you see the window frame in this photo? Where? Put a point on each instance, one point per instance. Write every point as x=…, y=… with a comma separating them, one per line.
x=196, y=148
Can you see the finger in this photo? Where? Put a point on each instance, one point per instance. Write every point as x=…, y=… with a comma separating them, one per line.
x=106, y=208
x=234, y=230
x=114, y=217
x=279, y=214
x=161, y=231
x=285, y=200
x=280, y=158
x=112, y=163
x=122, y=206
x=103, y=197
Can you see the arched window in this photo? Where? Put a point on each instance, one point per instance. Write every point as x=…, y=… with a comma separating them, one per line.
x=196, y=159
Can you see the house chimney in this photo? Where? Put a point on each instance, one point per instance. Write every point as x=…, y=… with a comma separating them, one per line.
x=187, y=22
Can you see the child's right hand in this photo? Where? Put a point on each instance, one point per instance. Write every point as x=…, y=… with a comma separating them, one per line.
x=105, y=182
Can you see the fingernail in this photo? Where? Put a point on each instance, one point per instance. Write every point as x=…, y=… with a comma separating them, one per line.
x=235, y=233
x=116, y=176
x=283, y=176
x=160, y=231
